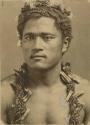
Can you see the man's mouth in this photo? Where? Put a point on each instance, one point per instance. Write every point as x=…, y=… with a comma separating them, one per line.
x=37, y=56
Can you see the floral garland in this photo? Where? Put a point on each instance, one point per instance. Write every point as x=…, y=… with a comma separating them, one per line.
x=18, y=108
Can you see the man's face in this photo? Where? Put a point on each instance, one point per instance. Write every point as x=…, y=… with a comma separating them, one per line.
x=41, y=43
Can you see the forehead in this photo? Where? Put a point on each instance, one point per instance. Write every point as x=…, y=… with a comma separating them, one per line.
x=42, y=24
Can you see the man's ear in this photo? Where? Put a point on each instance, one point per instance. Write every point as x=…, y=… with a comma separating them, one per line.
x=65, y=45
x=19, y=43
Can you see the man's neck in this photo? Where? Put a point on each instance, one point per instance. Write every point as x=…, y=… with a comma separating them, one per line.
x=45, y=77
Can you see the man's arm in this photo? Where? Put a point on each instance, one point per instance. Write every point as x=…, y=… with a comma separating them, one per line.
x=84, y=87
x=87, y=105
x=7, y=95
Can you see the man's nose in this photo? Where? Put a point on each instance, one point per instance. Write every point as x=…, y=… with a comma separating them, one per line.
x=38, y=44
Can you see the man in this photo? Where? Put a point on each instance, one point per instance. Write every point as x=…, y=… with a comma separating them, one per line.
x=43, y=91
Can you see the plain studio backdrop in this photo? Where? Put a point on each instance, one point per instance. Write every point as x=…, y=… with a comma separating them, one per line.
x=79, y=51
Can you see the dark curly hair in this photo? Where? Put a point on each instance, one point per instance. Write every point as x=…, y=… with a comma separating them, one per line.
x=61, y=18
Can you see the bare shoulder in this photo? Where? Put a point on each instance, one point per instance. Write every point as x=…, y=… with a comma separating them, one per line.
x=7, y=92
x=7, y=95
x=7, y=81
x=83, y=83
x=83, y=87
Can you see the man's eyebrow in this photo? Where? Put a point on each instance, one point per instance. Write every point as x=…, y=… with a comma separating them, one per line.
x=30, y=33
x=38, y=34
x=46, y=33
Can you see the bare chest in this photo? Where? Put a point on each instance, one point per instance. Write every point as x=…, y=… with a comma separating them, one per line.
x=48, y=108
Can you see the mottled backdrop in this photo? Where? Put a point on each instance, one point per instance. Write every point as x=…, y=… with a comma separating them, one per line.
x=78, y=54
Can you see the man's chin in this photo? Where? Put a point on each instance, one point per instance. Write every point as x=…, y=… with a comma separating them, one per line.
x=39, y=66
x=42, y=65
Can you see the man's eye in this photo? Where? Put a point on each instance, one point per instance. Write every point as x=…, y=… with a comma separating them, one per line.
x=48, y=37
x=29, y=38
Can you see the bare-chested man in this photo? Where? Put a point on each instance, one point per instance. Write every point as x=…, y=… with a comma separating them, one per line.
x=43, y=91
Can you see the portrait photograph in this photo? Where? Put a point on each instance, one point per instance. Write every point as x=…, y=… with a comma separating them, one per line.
x=45, y=62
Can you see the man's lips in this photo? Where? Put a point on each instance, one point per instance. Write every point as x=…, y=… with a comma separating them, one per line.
x=38, y=56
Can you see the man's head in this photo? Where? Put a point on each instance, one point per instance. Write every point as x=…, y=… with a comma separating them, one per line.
x=44, y=31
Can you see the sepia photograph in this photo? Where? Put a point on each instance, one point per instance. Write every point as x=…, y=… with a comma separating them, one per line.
x=45, y=62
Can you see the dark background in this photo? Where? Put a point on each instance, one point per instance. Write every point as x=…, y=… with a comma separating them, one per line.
x=79, y=51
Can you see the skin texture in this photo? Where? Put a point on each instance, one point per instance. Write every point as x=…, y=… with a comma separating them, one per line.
x=48, y=101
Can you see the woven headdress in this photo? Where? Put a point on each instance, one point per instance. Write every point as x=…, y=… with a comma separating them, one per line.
x=48, y=8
